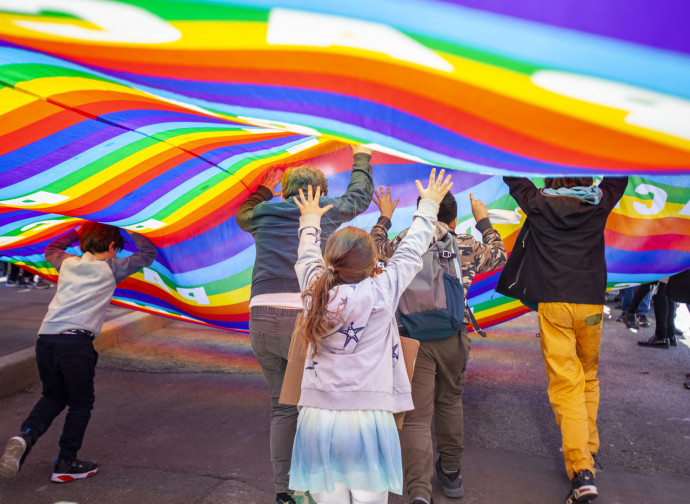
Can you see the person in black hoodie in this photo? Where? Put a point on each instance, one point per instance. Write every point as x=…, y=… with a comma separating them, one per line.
x=558, y=264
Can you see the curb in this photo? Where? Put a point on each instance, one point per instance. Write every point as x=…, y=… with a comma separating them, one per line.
x=18, y=370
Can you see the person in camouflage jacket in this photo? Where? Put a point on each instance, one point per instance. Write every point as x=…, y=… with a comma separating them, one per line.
x=439, y=373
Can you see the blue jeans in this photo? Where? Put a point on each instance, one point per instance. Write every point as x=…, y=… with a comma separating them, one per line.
x=626, y=298
x=270, y=329
x=67, y=366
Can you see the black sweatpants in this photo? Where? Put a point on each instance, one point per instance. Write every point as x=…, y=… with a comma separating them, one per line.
x=67, y=366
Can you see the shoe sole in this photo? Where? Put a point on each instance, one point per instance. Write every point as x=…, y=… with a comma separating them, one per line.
x=584, y=494
x=572, y=501
x=582, y=500
x=453, y=493
x=448, y=491
x=68, y=477
x=10, y=461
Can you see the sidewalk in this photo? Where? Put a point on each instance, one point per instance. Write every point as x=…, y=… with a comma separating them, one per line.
x=171, y=425
x=22, y=314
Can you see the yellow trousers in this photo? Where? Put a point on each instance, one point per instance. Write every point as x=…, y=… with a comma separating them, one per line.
x=570, y=342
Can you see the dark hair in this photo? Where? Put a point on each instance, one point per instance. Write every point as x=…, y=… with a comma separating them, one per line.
x=567, y=182
x=300, y=177
x=350, y=257
x=447, y=210
x=95, y=237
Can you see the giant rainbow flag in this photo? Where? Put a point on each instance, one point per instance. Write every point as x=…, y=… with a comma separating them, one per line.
x=162, y=117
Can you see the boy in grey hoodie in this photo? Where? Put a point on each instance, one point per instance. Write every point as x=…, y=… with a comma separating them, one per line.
x=64, y=351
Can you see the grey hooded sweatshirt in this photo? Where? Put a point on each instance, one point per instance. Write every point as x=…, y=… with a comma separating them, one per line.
x=87, y=283
x=359, y=366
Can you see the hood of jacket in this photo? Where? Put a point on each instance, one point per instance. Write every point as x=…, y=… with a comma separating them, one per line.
x=440, y=232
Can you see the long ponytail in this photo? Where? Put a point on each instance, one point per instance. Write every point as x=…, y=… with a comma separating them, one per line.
x=318, y=319
x=350, y=257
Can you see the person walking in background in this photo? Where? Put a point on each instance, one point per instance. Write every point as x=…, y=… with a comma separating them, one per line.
x=346, y=448
x=558, y=262
x=64, y=351
x=439, y=372
x=639, y=317
x=17, y=276
x=678, y=291
x=641, y=293
x=275, y=298
x=664, y=314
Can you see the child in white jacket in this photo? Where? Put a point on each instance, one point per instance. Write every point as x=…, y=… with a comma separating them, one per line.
x=346, y=447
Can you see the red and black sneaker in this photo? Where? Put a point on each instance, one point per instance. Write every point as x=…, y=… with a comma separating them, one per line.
x=66, y=471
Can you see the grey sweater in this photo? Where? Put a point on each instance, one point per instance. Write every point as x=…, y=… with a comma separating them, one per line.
x=359, y=366
x=86, y=284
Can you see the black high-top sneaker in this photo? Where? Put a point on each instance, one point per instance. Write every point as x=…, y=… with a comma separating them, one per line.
x=66, y=471
x=451, y=481
x=582, y=489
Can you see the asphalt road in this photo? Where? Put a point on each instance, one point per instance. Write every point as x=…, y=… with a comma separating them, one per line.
x=182, y=416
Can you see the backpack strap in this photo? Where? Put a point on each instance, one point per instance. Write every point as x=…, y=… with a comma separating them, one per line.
x=454, y=255
x=477, y=329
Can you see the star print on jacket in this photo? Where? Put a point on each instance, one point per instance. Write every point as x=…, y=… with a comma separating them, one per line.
x=395, y=352
x=313, y=367
x=316, y=234
x=351, y=333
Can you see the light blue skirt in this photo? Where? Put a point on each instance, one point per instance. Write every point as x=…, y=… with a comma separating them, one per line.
x=360, y=449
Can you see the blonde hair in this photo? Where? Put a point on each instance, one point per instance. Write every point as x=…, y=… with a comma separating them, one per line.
x=300, y=177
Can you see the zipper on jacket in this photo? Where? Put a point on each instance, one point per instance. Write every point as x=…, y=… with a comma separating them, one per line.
x=517, y=274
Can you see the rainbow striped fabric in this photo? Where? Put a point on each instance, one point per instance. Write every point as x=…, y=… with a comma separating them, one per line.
x=162, y=116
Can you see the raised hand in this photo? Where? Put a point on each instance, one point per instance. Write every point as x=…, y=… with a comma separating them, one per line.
x=310, y=204
x=479, y=209
x=437, y=187
x=384, y=201
x=360, y=148
x=271, y=179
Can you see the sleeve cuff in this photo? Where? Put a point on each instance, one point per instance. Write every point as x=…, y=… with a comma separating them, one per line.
x=429, y=205
x=264, y=192
x=483, y=224
x=310, y=220
x=384, y=222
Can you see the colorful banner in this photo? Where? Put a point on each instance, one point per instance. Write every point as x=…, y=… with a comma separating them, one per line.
x=162, y=116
